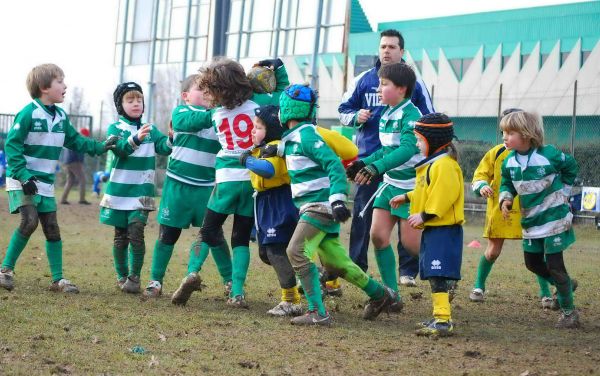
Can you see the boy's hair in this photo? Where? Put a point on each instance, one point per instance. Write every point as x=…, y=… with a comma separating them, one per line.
x=529, y=125
x=226, y=81
x=393, y=33
x=401, y=74
x=40, y=78
x=189, y=82
x=125, y=91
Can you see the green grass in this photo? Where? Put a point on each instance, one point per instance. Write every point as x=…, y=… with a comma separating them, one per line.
x=93, y=332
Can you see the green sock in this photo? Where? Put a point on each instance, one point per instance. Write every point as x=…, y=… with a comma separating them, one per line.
x=222, y=258
x=565, y=296
x=15, y=247
x=373, y=289
x=120, y=261
x=309, y=278
x=54, y=253
x=386, y=261
x=160, y=259
x=136, y=259
x=240, y=262
x=483, y=270
x=198, y=254
x=544, y=287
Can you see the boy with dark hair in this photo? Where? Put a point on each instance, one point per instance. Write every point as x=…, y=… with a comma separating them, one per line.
x=319, y=191
x=396, y=161
x=362, y=109
x=33, y=147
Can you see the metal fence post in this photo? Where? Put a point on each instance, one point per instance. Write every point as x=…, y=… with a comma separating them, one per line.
x=499, y=114
x=574, y=119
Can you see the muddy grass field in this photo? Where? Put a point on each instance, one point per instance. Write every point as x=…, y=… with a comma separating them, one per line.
x=103, y=331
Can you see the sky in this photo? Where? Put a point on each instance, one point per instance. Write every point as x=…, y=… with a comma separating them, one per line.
x=79, y=36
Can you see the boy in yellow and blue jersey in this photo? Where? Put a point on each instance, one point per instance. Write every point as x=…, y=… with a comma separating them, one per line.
x=437, y=206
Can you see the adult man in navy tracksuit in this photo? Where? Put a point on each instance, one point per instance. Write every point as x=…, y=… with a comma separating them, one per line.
x=360, y=105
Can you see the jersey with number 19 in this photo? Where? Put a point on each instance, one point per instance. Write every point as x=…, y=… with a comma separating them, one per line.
x=234, y=128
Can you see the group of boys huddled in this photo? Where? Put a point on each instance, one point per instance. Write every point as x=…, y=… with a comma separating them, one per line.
x=237, y=149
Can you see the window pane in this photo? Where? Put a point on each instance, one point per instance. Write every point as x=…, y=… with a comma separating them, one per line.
x=199, y=53
x=175, y=51
x=234, y=18
x=288, y=18
x=335, y=36
x=142, y=24
x=260, y=44
x=200, y=26
x=140, y=53
x=178, y=22
x=232, y=41
x=338, y=11
x=308, y=13
x=263, y=14
x=304, y=41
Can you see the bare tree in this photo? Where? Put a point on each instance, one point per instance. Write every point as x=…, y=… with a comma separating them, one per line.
x=166, y=95
x=77, y=103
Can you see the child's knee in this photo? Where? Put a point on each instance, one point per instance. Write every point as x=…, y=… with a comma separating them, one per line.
x=135, y=234
x=50, y=227
x=262, y=253
x=121, y=241
x=438, y=284
x=212, y=237
x=29, y=220
x=168, y=235
x=379, y=240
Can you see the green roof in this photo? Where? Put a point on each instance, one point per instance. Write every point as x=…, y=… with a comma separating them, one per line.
x=462, y=36
x=358, y=20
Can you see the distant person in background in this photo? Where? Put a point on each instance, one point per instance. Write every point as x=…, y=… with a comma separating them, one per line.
x=2, y=167
x=75, y=172
x=99, y=178
x=362, y=109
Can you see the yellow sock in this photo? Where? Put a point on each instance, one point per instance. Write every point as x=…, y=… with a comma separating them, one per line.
x=290, y=295
x=441, y=305
x=334, y=284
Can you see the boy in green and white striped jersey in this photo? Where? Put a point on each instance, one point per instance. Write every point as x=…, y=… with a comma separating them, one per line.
x=542, y=176
x=33, y=147
x=187, y=188
x=319, y=191
x=231, y=119
x=130, y=190
x=396, y=160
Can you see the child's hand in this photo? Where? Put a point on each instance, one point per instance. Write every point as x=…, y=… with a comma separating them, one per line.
x=506, y=208
x=415, y=220
x=143, y=132
x=396, y=201
x=353, y=169
x=271, y=63
x=366, y=174
x=486, y=191
x=362, y=116
x=171, y=133
x=110, y=142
